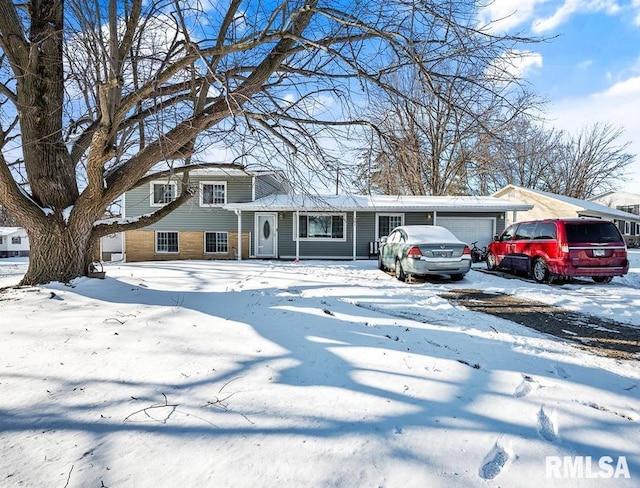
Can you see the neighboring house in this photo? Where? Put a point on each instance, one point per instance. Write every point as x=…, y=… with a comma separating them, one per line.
x=551, y=205
x=627, y=202
x=14, y=242
x=243, y=214
x=112, y=247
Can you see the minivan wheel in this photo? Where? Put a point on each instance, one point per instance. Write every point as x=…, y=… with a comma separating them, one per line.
x=457, y=277
x=491, y=261
x=399, y=271
x=540, y=271
x=602, y=279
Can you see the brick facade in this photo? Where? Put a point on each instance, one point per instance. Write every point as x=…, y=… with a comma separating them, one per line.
x=140, y=245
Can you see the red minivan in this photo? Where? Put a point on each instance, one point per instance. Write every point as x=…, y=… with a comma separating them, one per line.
x=561, y=248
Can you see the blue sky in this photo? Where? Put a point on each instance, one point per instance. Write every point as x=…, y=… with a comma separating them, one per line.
x=589, y=70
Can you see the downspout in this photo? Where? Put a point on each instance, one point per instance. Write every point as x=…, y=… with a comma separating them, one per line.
x=239, y=214
x=297, y=227
x=354, y=235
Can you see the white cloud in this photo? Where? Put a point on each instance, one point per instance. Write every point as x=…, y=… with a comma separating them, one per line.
x=636, y=5
x=571, y=7
x=506, y=14
x=618, y=105
x=517, y=64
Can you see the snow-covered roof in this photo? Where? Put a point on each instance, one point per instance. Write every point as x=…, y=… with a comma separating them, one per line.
x=593, y=208
x=7, y=231
x=319, y=203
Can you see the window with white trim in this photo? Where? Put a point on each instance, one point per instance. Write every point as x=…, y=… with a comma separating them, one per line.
x=166, y=242
x=16, y=240
x=321, y=227
x=627, y=228
x=387, y=222
x=213, y=193
x=216, y=242
x=163, y=192
x=1, y=239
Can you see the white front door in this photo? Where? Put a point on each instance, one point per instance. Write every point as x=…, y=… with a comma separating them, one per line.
x=266, y=235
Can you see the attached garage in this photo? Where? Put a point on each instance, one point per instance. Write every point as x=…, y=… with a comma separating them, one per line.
x=470, y=229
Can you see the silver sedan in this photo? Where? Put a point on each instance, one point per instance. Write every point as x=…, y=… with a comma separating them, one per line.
x=419, y=250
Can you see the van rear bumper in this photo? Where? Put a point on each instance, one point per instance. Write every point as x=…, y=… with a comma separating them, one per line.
x=560, y=269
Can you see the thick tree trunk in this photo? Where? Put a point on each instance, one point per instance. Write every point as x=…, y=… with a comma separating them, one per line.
x=60, y=253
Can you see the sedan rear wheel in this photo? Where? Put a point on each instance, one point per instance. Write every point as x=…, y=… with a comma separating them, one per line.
x=380, y=265
x=399, y=271
x=540, y=271
x=491, y=261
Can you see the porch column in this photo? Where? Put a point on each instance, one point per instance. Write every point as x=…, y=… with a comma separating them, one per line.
x=354, y=235
x=239, y=214
x=435, y=217
x=296, y=226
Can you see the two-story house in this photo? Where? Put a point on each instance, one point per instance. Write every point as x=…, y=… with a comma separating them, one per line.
x=625, y=202
x=14, y=242
x=237, y=213
x=201, y=228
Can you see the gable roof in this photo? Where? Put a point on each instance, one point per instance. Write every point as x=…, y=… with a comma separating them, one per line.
x=583, y=206
x=626, y=194
x=7, y=231
x=379, y=203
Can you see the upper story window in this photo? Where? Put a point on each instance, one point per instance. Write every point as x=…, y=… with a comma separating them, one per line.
x=163, y=192
x=213, y=193
x=322, y=226
x=16, y=240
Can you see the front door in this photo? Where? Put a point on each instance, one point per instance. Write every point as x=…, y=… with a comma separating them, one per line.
x=266, y=235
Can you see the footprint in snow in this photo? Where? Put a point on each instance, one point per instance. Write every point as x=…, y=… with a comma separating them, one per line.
x=494, y=462
x=561, y=372
x=526, y=387
x=547, y=426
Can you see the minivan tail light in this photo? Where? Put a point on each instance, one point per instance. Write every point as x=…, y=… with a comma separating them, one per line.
x=466, y=251
x=414, y=252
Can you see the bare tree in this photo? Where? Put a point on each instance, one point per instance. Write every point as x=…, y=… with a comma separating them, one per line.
x=95, y=95
x=593, y=161
x=528, y=153
x=432, y=142
x=521, y=152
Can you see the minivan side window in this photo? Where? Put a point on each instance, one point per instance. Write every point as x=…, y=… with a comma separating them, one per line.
x=508, y=233
x=525, y=231
x=545, y=230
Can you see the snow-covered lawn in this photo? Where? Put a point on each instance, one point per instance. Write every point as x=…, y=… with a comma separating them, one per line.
x=280, y=374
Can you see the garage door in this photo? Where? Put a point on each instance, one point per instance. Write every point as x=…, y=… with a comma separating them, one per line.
x=469, y=230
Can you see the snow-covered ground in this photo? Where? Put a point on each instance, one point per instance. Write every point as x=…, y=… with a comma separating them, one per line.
x=280, y=374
